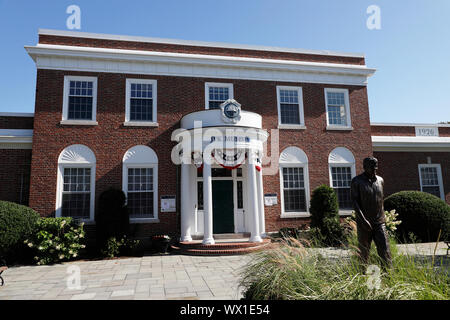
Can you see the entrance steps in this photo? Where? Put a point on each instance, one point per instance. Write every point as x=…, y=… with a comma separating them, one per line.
x=235, y=246
x=225, y=236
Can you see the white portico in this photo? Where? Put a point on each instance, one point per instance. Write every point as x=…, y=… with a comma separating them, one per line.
x=221, y=173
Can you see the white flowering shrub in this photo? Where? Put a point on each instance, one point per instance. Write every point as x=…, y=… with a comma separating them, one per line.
x=390, y=220
x=56, y=240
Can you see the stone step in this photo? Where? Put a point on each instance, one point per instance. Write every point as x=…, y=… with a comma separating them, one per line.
x=218, y=249
x=224, y=236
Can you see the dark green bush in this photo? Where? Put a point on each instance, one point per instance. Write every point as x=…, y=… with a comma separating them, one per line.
x=421, y=213
x=17, y=222
x=324, y=210
x=112, y=218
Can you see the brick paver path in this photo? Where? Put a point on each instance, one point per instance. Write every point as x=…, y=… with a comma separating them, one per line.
x=149, y=277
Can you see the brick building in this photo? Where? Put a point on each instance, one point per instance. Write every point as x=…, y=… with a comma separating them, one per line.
x=203, y=138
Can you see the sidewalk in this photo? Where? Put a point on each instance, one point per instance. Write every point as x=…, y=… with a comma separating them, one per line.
x=149, y=277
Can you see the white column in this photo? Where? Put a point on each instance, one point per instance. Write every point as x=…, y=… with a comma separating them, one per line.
x=254, y=221
x=207, y=204
x=186, y=211
x=262, y=223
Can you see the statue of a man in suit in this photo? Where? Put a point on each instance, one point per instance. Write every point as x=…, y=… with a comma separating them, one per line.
x=367, y=196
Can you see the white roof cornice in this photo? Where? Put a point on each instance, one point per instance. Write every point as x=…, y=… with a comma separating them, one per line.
x=402, y=143
x=387, y=124
x=197, y=65
x=16, y=114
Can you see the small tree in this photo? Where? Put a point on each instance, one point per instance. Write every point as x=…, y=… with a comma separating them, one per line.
x=325, y=221
x=112, y=218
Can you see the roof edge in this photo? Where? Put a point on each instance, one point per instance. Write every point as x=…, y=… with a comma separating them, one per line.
x=194, y=43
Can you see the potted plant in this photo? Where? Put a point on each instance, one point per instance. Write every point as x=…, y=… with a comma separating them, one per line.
x=161, y=243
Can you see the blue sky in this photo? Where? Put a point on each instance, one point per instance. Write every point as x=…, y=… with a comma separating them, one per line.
x=410, y=52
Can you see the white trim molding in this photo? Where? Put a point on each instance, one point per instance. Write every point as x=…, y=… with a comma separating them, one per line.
x=301, y=124
x=410, y=143
x=153, y=122
x=439, y=177
x=141, y=156
x=75, y=58
x=17, y=114
x=387, y=124
x=76, y=156
x=294, y=157
x=348, y=118
x=65, y=109
x=16, y=138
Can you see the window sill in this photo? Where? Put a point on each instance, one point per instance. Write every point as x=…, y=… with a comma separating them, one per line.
x=79, y=122
x=339, y=128
x=140, y=124
x=144, y=220
x=292, y=126
x=295, y=215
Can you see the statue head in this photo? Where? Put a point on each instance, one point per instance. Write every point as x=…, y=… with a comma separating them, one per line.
x=370, y=165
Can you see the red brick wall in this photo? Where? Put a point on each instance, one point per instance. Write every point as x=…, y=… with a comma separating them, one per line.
x=444, y=131
x=15, y=175
x=132, y=45
x=400, y=170
x=393, y=131
x=7, y=122
x=178, y=96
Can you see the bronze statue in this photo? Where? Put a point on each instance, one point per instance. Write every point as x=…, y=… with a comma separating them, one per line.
x=367, y=197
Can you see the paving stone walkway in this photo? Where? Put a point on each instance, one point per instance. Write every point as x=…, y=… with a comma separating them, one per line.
x=149, y=277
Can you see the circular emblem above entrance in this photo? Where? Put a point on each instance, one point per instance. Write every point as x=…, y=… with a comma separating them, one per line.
x=231, y=111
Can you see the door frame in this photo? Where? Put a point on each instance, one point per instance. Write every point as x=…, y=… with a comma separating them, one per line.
x=240, y=220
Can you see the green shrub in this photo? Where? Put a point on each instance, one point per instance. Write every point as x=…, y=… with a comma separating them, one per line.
x=123, y=246
x=56, y=240
x=422, y=214
x=16, y=223
x=112, y=219
x=324, y=210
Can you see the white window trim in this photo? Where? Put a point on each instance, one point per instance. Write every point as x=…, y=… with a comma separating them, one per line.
x=154, y=166
x=60, y=188
x=217, y=84
x=301, y=125
x=353, y=171
x=299, y=214
x=347, y=109
x=153, y=123
x=439, y=174
x=65, y=111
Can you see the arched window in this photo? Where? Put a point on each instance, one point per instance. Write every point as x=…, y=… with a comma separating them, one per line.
x=140, y=182
x=294, y=183
x=75, y=194
x=342, y=169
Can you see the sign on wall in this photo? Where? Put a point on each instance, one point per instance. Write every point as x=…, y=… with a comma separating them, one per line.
x=427, y=132
x=270, y=199
x=168, y=204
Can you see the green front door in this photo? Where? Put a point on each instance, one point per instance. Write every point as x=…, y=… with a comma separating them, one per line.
x=223, y=207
